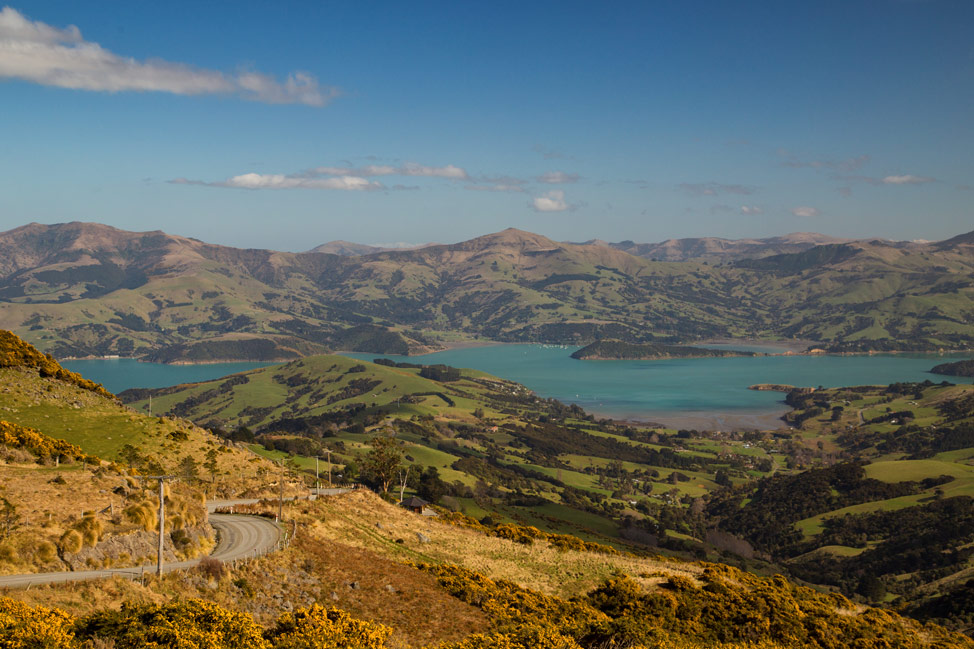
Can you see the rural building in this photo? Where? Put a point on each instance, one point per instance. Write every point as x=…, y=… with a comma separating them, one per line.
x=415, y=504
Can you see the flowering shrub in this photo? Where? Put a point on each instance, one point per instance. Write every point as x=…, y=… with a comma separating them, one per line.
x=727, y=608
x=320, y=628
x=178, y=625
x=33, y=627
x=14, y=352
x=39, y=444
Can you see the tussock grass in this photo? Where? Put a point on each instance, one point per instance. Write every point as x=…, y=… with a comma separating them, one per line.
x=351, y=519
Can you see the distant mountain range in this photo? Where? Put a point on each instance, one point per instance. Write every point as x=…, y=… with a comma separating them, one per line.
x=349, y=249
x=81, y=289
x=709, y=249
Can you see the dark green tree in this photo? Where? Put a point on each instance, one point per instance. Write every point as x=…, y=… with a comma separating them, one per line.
x=383, y=461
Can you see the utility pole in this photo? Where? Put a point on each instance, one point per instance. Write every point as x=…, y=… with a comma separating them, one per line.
x=328, y=451
x=162, y=515
x=317, y=483
x=280, y=502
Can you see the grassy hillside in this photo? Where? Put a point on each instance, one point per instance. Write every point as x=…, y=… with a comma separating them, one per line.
x=70, y=460
x=494, y=447
x=892, y=520
x=84, y=289
x=402, y=580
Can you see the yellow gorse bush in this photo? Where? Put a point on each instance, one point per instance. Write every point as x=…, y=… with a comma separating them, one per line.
x=726, y=608
x=188, y=624
x=33, y=627
x=39, y=444
x=320, y=628
x=14, y=352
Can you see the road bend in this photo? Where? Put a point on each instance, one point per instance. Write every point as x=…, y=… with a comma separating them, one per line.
x=240, y=537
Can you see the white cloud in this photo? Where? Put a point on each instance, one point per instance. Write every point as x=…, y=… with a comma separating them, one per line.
x=35, y=52
x=450, y=172
x=279, y=181
x=907, y=179
x=558, y=178
x=553, y=201
x=805, y=211
x=751, y=209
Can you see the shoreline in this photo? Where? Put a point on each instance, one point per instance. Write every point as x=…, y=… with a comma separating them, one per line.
x=789, y=347
x=793, y=346
x=709, y=420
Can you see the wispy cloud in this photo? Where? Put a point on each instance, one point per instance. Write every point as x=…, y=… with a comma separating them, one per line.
x=751, y=209
x=906, y=179
x=845, y=166
x=806, y=212
x=341, y=178
x=496, y=187
x=408, y=169
x=39, y=53
x=279, y=181
x=715, y=189
x=550, y=154
x=553, y=201
x=558, y=178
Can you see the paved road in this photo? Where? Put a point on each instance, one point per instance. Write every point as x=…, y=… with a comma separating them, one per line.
x=241, y=537
x=213, y=505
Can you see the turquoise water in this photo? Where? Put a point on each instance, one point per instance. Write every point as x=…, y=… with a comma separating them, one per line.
x=118, y=374
x=662, y=390
x=666, y=391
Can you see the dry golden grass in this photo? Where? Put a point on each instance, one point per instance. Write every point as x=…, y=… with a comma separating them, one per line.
x=362, y=519
x=71, y=507
x=307, y=572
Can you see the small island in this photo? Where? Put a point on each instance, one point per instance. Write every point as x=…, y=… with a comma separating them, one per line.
x=957, y=368
x=617, y=350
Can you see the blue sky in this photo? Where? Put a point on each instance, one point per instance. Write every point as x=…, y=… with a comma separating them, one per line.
x=285, y=125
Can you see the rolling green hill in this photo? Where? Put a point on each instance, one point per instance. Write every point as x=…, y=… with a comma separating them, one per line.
x=85, y=289
x=499, y=449
x=887, y=507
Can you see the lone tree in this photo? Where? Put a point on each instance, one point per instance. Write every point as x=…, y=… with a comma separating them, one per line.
x=211, y=464
x=8, y=517
x=383, y=461
x=188, y=468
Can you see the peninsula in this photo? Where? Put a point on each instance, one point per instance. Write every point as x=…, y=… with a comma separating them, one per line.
x=618, y=350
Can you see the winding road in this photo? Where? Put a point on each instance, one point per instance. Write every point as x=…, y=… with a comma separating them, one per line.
x=240, y=537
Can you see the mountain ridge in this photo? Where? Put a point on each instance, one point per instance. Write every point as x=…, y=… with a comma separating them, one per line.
x=82, y=289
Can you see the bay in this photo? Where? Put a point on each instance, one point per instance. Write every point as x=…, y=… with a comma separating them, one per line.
x=118, y=374
x=689, y=392
x=683, y=393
